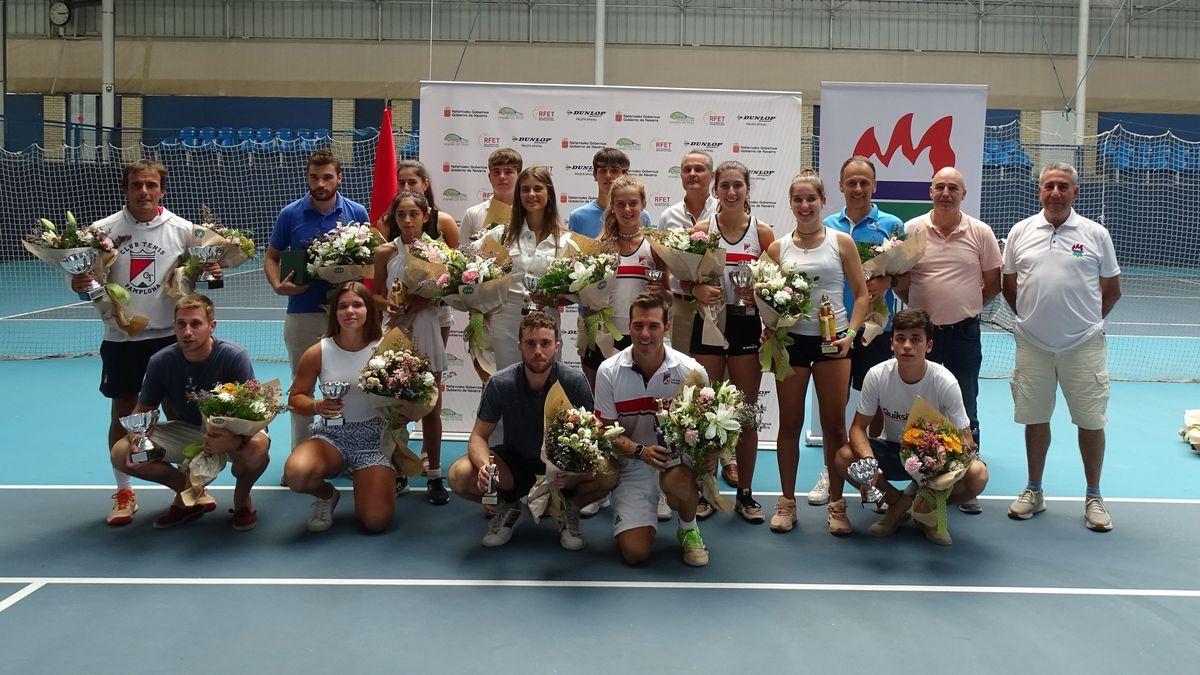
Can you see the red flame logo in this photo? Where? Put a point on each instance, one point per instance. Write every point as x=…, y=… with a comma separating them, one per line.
x=936, y=139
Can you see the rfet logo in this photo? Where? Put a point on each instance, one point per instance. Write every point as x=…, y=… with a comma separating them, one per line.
x=714, y=119
x=936, y=140
x=661, y=200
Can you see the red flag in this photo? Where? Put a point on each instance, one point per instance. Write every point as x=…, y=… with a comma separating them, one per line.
x=384, y=186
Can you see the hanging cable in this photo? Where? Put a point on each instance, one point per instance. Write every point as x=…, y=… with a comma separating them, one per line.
x=467, y=43
x=1103, y=39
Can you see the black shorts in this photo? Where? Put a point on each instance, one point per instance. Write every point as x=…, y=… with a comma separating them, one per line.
x=123, y=365
x=887, y=454
x=743, y=332
x=865, y=358
x=805, y=350
x=594, y=357
x=524, y=471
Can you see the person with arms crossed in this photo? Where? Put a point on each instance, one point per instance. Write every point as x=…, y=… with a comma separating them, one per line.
x=1061, y=278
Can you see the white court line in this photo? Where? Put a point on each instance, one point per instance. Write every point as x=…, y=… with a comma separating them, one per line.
x=347, y=488
x=640, y=585
x=21, y=594
x=1151, y=323
x=47, y=309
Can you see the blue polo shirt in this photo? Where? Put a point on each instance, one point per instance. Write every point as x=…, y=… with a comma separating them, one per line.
x=588, y=219
x=297, y=226
x=872, y=229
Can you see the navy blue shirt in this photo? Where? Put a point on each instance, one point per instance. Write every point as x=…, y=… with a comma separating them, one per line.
x=297, y=226
x=171, y=377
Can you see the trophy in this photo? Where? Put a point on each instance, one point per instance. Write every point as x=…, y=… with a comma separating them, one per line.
x=531, y=286
x=828, y=327
x=863, y=472
x=742, y=278
x=654, y=276
x=491, y=497
x=675, y=458
x=334, y=390
x=141, y=424
x=80, y=263
x=208, y=254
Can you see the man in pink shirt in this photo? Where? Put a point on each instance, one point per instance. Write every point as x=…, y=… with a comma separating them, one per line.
x=958, y=275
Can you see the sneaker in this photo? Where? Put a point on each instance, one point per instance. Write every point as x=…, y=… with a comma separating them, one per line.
x=928, y=522
x=730, y=474
x=750, y=510
x=785, y=515
x=321, y=517
x=896, y=515
x=1095, y=514
x=124, y=506
x=569, y=534
x=401, y=484
x=695, y=554
x=435, y=492
x=500, y=527
x=178, y=515
x=206, y=500
x=839, y=524
x=592, y=509
x=971, y=507
x=664, y=509
x=704, y=510
x=1028, y=504
x=243, y=519
x=819, y=494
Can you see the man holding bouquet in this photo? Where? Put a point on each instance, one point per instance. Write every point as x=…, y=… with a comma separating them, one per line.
x=628, y=387
x=517, y=395
x=891, y=388
x=195, y=363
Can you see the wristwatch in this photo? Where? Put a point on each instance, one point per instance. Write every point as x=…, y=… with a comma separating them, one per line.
x=637, y=452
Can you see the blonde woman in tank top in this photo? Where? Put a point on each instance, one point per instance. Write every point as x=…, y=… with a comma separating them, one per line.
x=830, y=260
x=622, y=235
x=420, y=319
x=354, y=446
x=744, y=238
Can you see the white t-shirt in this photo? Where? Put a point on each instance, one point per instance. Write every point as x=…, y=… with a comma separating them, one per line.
x=883, y=389
x=623, y=395
x=1058, y=279
x=142, y=265
x=472, y=220
x=677, y=217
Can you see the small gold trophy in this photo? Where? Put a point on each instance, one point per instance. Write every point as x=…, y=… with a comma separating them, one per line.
x=828, y=328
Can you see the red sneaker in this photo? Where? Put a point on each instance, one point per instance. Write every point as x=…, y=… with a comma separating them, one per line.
x=178, y=515
x=124, y=506
x=243, y=519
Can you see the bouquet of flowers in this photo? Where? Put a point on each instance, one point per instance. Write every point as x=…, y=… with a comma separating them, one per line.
x=92, y=249
x=588, y=280
x=243, y=408
x=428, y=263
x=701, y=423
x=1191, y=428
x=398, y=380
x=783, y=297
x=238, y=245
x=576, y=447
x=477, y=283
x=498, y=214
x=936, y=454
x=345, y=253
x=699, y=258
x=895, y=255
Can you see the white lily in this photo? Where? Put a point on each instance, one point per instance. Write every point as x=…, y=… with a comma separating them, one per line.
x=721, y=423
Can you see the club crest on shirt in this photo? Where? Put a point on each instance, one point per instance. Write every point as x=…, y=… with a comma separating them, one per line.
x=143, y=267
x=1077, y=250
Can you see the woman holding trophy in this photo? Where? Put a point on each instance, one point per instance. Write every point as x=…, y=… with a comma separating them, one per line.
x=820, y=343
x=533, y=237
x=744, y=239
x=348, y=432
x=419, y=317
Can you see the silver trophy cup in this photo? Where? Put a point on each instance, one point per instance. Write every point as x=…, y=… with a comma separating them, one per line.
x=141, y=424
x=208, y=254
x=742, y=279
x=531, y=286
x=334, y=390
x=863, y=472
x=80, y=263
x=654, y=276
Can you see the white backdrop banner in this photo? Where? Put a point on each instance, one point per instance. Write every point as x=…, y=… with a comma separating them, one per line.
x=562, y=126
x=909, y=131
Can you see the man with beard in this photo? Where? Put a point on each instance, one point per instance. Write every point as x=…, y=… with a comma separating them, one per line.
x=298, y=224
x=517, y=395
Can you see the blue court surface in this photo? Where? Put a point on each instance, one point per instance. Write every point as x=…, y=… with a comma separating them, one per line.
x=1045, y=595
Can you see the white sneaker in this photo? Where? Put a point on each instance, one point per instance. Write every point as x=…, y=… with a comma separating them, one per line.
x=591, y=509
x=500, y=527
x=819, y=494
x=664, y=509
x=321, y=517
x=569, y=534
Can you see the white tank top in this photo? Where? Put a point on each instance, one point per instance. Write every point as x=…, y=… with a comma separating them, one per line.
x=338, y=364
x=746, y=249
x=631, y=280
x=425, y=325
x=823, y=266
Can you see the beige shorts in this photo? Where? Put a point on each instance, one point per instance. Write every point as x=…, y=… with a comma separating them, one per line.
x=1082, y=371
x=175, y=435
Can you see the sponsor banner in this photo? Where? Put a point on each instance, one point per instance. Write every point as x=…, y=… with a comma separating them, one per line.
x=562, y=126
x=923, y=128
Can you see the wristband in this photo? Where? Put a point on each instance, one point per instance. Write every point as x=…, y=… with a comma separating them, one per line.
x=852, y=333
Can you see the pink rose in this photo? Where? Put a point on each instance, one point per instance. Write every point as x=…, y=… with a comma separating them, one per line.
x=707, y=394
x=912, y=465
x=699, y=236
x=443, y=281
x=691, y=436
x=470, y=277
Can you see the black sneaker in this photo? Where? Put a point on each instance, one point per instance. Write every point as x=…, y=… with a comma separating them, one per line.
x=435, y=492
x=750, y=510
x=401, y=484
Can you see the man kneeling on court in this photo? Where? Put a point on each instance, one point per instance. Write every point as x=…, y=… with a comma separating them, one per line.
x=517, y=395
x=627, y=386
x=891, y=387
x=197, y=362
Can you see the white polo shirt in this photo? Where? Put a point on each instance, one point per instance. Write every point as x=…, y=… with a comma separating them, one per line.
x=677, y=217
x=623, y=395
x=1058, y=279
